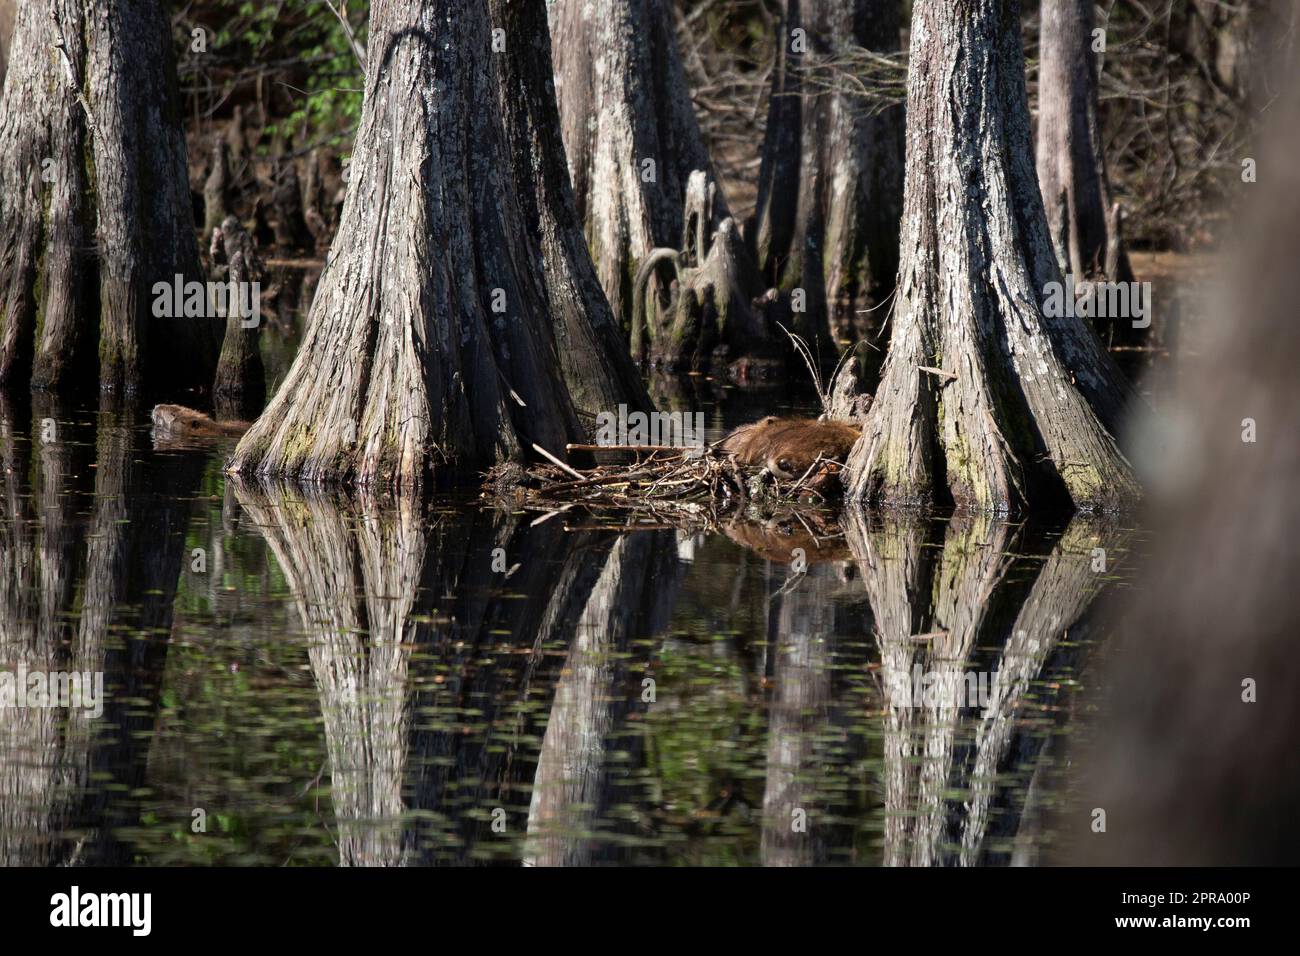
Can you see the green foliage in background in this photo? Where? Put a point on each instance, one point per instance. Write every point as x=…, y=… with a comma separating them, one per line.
x=293, y=54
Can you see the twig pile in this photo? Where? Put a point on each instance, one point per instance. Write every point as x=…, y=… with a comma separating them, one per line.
x=683, y=478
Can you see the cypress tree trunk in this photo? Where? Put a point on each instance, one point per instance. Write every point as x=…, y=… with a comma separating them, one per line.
x=239, y=388
x=1071, y=164
x=830, y=187
x=983, y=398
x=1187, y=780
x=92, y=146
x=629, y=130
x=216, y=189
x=594, y=357
x=427, y=344
x=645, y=190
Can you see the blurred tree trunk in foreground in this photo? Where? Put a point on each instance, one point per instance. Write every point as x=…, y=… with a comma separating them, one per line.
x=1188, y=771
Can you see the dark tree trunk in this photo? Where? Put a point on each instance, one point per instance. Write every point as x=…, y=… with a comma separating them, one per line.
x=239, y=388
x=666, y=251
x=830, y=187
x=983, y=395
x=90, y=133
x=594, y=357
x=1083, y=224
x=427, y=344
x=286, y=198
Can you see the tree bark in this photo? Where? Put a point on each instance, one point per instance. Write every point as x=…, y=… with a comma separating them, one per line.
x=984, y=399
x=427, y=345
x=594, y=358
x=239, y=388
x=216, y=189
x=830, y=187
x=681, y=289
x=1071, y=164
x=623, y=103
x=90, y=132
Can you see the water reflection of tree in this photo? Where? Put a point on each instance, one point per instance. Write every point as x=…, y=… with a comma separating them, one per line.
x=800, y=709
x=89, y=599
x=420, y=758
x=577, y=782
x=38, y=544
x=800, y=659
x=953, y=606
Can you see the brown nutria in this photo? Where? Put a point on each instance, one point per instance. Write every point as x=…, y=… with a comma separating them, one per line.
x=789, y=446
x=179, y=420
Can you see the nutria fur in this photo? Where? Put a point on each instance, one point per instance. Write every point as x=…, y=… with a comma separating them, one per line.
x=789, y=446
x=179, y=420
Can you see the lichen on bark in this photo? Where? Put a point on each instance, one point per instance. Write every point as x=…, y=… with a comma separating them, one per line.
x=984, y=400
x=428, y=347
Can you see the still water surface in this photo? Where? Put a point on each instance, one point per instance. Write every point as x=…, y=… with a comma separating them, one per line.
x=299, y=678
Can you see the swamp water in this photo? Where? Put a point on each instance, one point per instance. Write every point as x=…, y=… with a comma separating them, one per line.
x=300, y=678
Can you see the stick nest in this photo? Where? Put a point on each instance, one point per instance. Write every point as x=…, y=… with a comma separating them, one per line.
x=698, y=490
x=690, y=479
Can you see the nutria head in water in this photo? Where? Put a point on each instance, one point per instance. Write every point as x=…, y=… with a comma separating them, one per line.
x=789, y=446
x=179, y=420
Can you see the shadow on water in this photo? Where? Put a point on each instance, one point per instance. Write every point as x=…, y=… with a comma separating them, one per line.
x=295, y=677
